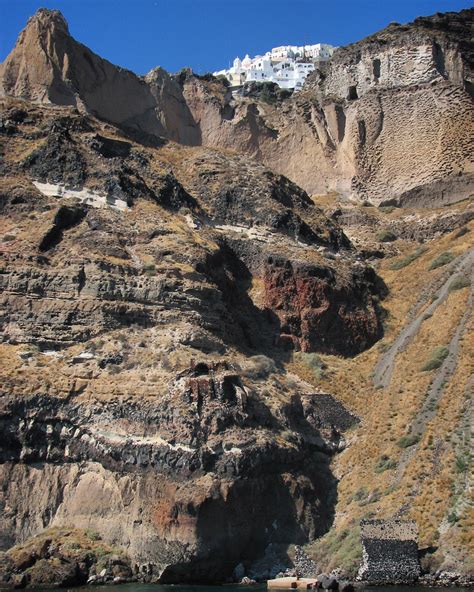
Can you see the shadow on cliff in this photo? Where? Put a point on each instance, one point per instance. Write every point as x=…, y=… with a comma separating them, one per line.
x=318, y=316
x=249, y=329
x=278, y=493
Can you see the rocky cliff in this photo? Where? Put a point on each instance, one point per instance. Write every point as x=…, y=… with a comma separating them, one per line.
x=165, y=288
x=389, y=119
x=187, y=334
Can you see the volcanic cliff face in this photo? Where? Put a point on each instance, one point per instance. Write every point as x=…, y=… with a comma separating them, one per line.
x=48, y=66
x=165, y=288
x=174, y=317
x=390, y=118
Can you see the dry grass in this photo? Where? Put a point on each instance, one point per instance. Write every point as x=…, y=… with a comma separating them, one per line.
x=426, y=484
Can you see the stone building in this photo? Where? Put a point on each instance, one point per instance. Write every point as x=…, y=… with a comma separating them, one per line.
x=390, y=551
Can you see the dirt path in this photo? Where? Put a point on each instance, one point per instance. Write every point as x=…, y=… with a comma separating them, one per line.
x=384, y=367
x=436, y=388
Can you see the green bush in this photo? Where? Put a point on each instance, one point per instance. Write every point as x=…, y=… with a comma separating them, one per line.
x=387, y=209
x=385, y=463
x=452, y=518
x=360, y=494
x=314, y=363
x=260, y=367
x=401, y=263
x=149, y=268
x=459, y=283
x=436, y=358
x=223, y=79
x=462, y=463
x=441, y=260
x=386, y=236
x=407, y=441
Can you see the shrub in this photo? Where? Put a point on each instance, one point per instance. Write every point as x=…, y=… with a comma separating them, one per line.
x=385, y=463
x=407, y=441
x=436, y=358
x=452, y=518
x=149, y=269
x=441, y=260
x=223, y=79
x=314, y=363
x=462, y=463
x=386, y=236
x=459, y=283
x=408, y=259
x=360, y=494
x=260, y=367
x=8, y=237
x=387, y=209
x=93, y=534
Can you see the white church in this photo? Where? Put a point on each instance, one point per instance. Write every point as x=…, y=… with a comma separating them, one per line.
x=288, y=65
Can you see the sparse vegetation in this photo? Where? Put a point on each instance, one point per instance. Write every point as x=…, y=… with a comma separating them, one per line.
x=409, y=440
x=339, y=548
x=401, y=263
x=459, y=283
x=385, y=463
x=386, y=236
x=435, y=359
x=441, y=260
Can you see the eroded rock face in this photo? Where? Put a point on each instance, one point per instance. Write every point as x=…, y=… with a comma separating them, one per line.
x=224, y=198
x=389, y=118
x=127, y=401
x=182, y=483
x=49, y=66
x=306, y=298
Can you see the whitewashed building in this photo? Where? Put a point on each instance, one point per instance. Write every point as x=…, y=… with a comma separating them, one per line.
x=288, y=65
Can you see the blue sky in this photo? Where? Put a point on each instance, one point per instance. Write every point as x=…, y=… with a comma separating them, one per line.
x=207, y=34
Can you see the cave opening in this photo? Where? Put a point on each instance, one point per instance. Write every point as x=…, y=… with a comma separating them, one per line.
x=352, y=94
x=376, y=68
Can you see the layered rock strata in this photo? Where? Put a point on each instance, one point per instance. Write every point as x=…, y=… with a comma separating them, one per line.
x=145, y=394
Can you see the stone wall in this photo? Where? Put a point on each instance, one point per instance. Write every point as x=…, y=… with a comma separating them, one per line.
x=390, y=551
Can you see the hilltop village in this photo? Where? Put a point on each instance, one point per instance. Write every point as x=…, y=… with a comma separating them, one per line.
x=287, y=65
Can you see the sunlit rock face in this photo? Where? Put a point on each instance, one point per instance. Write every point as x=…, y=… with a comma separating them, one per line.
x=389, y=118
x=148, y=320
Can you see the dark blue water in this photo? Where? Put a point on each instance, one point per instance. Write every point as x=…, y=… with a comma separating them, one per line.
x=237, y=588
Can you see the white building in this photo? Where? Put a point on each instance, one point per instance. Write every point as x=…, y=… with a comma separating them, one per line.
x=288, y=65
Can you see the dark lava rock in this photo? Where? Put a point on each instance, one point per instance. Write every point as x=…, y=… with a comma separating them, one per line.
x=58, y=160
x=110, y=148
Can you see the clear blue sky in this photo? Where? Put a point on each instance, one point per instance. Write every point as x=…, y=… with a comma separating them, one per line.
x=207, y=34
